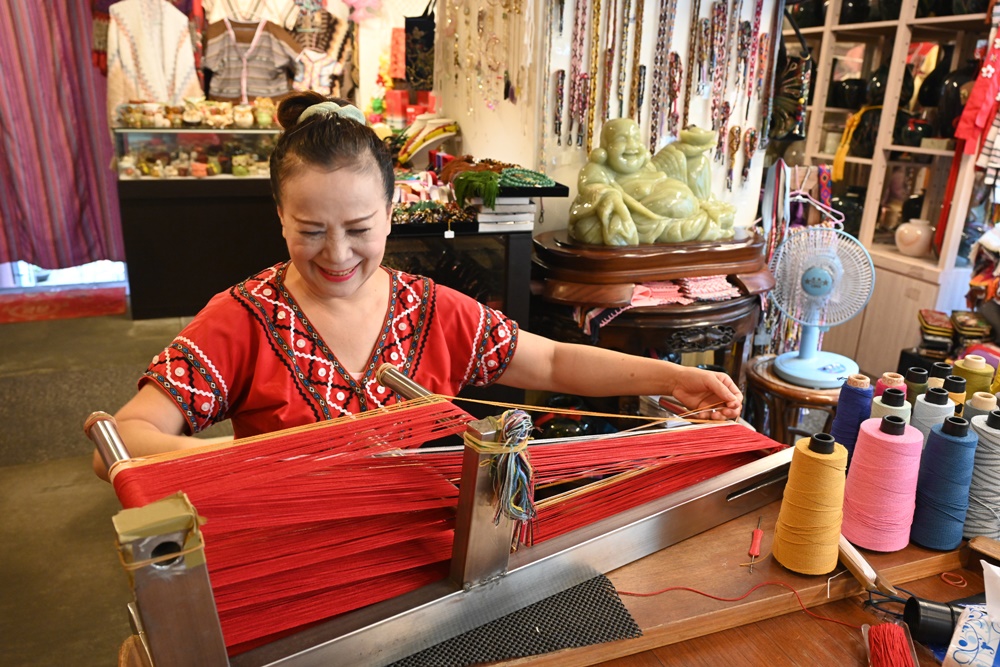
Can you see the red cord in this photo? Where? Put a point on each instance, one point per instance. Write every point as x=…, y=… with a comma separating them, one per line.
x=888, y=646
x=737, y=599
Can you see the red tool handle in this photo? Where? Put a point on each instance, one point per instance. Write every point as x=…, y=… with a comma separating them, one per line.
x=755, y=542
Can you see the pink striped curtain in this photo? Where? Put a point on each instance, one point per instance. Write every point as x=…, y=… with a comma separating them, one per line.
x=58, y=206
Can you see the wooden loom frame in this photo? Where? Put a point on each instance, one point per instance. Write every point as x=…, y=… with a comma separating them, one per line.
x=174, y=611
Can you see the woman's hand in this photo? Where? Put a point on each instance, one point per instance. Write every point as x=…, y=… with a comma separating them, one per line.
x=709, y=395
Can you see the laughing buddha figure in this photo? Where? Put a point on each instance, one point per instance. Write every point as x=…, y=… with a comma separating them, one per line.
x=627, y=197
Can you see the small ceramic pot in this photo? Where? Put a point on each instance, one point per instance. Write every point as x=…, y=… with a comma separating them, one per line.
x=914, y=238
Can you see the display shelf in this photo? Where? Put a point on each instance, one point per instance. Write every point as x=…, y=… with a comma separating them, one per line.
x=919, y=150
x=903, y=284
x=194, y=130
x=869, y=29
x=887, y=256
x=958, y=22
x=814, y=31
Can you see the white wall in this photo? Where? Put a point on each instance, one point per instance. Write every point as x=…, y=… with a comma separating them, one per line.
x=512, y=132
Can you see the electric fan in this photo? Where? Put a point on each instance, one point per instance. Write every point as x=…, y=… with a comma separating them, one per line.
x=823, y=277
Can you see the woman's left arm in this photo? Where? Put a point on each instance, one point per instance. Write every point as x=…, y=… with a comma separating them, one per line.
x=543, y=364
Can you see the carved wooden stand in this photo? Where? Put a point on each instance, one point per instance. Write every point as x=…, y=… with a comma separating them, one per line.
x=599, y=276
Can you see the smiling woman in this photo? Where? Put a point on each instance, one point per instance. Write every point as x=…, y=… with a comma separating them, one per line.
x=300, y=341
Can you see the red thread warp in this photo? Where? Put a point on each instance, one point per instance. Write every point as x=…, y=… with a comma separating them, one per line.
x=306, y=524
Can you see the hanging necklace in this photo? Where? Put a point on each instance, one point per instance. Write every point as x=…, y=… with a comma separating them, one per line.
x=704, y=56
x=640, y=93
x=595, y=54
x=749, y=148
x=634, y=104
x=623, y=55
x=692, y=51
x=609, y=58
x=674, y=92
x=718, y=59
x=752, y=58
x=577, y=82
x=734, y=149
x=720, y=145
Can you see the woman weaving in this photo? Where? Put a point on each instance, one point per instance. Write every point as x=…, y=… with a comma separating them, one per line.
x=300, y=342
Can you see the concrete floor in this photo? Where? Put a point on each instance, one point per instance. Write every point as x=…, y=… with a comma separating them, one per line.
x=63, y=590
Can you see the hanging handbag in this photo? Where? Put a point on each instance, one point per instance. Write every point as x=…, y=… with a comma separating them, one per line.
x=420, y=49
x=791, y=91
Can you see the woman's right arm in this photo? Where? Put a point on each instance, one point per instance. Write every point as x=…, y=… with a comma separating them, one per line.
x=150, y=423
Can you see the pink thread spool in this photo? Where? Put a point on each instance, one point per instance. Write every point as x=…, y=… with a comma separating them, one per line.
x=889, y=380
x=881, y=489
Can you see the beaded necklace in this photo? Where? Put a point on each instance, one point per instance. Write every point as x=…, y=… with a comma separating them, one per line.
x=674, y=74
x=640, y=93
x=743, y=53
x=634, y=103
x=576, y=82
x=718, y=59
x=663, y=27
x=595, y=51
x=704, y=56
x=765, y=119
x=720, y=144
x=749, y=148
x=763, y=42
x=734, y=149
x=558, y=112
x=623, y=55
x=692, y=50
x=609, y=59
x=752, y=58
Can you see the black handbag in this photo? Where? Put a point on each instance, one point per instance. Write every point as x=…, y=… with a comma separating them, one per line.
x=791, y=91
x=420, y=49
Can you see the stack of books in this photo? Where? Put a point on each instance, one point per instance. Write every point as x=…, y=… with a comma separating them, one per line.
x=509, y=214
x=935, y=334
x=970, y=329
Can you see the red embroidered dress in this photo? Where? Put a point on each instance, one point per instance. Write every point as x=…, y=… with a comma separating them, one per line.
x=252, y=356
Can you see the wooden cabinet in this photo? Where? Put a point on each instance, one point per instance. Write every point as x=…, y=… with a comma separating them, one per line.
x=903, y=284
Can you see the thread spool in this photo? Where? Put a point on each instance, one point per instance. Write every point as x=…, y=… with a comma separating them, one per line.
x=889, y=380
x=931, y=622
x=932, y=407
x=853, y=407
x=916, y=383
x=807, y=534
x=939, y=371
x=981, y=403
x=955, y=386
x=881, y=486
x=977, y=373
x=983, y=516
x=892, y=402
x=943, y=485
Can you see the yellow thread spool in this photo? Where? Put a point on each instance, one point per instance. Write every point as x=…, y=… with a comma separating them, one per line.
x=807, y=534
x=977, y=373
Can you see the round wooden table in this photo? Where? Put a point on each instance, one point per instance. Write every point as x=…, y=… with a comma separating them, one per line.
x=774, y=405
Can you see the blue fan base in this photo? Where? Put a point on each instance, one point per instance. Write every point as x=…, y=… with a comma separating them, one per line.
x=820, y=370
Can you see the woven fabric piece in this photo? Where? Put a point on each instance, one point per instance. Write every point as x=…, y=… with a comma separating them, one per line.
x=589, y=613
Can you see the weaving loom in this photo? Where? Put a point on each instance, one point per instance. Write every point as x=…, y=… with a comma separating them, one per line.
x=432, y=563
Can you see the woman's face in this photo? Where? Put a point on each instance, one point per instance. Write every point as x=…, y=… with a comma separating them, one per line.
x=335, y=224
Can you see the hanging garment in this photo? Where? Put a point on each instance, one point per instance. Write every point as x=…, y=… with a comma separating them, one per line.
x=315, y=30
x=282, y=12
x=149, y=54
x=322, y=71
x=58, y=201
x=249, y=60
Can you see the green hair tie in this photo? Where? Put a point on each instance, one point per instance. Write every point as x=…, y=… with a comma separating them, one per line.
x=332, y=108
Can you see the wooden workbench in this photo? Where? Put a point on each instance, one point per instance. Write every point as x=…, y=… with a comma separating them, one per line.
x=682, y=628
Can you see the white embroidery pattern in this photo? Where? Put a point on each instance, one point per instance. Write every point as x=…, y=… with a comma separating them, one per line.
x=475, y=345
x=295, y=345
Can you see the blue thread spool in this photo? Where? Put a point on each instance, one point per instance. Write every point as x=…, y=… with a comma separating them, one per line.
x=853, y=407
x=943, y=485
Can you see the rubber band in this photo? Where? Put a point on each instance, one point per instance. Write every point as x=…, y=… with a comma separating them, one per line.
x=952, y=579
x=139, y=564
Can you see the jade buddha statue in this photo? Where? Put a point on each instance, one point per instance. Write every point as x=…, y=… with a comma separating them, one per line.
x=627, y=197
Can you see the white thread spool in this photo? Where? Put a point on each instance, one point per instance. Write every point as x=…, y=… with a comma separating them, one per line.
x=930, y=409
x=983, y=517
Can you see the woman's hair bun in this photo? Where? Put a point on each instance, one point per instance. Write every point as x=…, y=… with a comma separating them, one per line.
x=290, y=108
